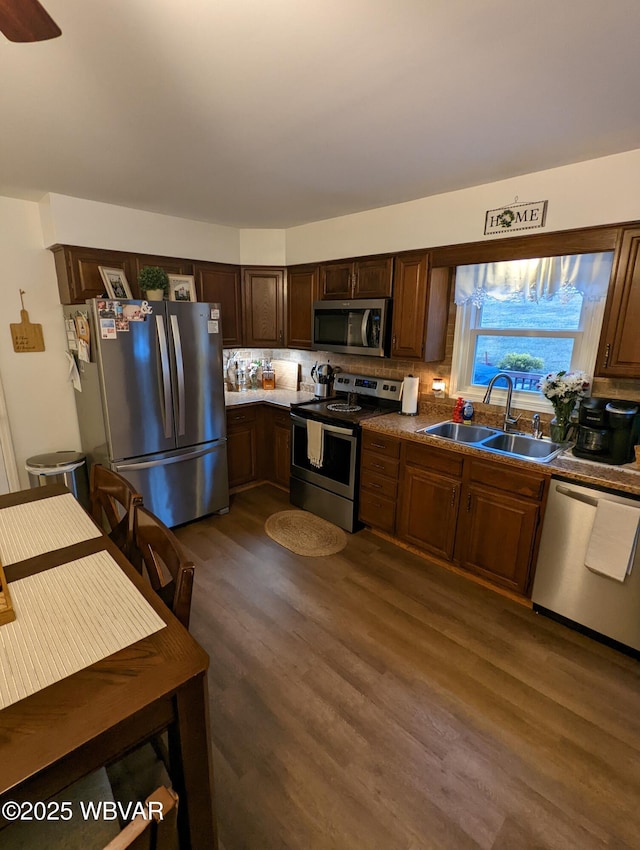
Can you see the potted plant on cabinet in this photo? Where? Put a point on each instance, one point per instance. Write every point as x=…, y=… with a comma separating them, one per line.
x=154, y=282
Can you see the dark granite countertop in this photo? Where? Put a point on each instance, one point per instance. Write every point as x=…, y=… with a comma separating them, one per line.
x=625, y=479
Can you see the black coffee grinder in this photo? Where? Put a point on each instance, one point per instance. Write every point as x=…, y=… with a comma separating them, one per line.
x=608, y=429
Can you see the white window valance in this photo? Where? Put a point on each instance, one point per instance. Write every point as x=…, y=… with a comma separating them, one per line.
x=534, y=280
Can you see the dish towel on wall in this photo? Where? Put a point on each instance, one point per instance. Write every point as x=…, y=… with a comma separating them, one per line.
x=613, y=540
x=315, y=443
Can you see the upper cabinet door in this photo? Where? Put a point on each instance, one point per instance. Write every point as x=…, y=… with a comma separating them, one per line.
x=221, y=283
x=78, y=272
x=420, y=308
x=373, y=278
x=619, y=351
x=410, y=305
x=367, y=278
x=263, y=307
x=169, y=264
x=336, y=280
x=303, y=284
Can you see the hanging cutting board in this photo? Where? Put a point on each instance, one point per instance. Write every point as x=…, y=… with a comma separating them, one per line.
x=26, y=335
x=287, y=374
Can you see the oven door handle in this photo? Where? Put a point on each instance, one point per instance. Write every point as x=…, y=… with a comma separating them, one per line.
x=334, y=429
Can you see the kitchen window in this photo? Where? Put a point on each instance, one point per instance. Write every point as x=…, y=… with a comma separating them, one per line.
x=527, y=318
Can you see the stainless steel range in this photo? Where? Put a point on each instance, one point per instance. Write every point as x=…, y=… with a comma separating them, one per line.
x=325, y=445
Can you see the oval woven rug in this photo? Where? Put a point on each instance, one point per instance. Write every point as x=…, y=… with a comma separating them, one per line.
x=305, y=533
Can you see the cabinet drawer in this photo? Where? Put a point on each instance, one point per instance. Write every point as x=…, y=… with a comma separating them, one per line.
x=281, y=418
x=241, y=416
x=379, y=465
x=514, y=481
x=435, y=460
x=375, y=483
x=380, y=444
x=377, y=511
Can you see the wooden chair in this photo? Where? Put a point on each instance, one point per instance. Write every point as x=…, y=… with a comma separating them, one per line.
x=154, y=830
x=169, y=572
x=112, y=502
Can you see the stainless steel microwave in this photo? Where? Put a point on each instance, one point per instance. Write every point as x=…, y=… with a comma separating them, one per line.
x=353, y=327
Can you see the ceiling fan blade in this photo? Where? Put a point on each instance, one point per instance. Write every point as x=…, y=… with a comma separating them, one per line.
x=26, y=20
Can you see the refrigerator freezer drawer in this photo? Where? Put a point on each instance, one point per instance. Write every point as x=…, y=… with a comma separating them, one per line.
x=181, y=486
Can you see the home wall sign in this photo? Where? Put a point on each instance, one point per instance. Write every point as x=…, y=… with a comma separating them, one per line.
x=515, y=217
x=26, y=336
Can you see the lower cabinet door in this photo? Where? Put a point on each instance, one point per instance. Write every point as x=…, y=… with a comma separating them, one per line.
x=428, y=511
x=281, y=455
x=497, y=533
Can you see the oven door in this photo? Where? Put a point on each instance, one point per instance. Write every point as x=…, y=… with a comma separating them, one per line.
x=338, y=471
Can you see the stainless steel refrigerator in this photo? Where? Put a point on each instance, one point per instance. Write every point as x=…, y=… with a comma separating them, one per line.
x=152, y=403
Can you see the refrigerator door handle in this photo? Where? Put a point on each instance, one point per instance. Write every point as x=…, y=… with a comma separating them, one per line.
x=177, y=347
x=166, y=379
x=164, y=461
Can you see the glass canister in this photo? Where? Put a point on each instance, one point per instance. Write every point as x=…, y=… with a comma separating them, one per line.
x=268, y=377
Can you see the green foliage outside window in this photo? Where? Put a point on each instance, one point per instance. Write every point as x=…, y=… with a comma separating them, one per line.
x=514, y=362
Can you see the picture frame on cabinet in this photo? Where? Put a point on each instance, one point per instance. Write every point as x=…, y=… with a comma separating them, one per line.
x=182, y=287
x=116, y=284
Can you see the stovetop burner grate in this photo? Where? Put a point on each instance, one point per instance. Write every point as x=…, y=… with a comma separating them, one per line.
x=343, y=407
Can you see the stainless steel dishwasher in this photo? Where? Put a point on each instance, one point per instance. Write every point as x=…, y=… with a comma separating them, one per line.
x=565, y=589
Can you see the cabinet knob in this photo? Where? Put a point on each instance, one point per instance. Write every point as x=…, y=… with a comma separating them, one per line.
x=468, y=502
x=453, y=496
x=607, y=352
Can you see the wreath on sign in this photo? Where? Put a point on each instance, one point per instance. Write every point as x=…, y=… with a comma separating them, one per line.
x=506, y=218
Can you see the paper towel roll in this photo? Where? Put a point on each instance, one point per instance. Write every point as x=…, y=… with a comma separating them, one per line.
x=410, y=395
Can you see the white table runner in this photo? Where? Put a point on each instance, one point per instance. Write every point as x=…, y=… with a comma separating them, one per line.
x=67, y=618
x=42, y=526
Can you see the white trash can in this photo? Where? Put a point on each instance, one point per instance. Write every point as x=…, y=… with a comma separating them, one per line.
x=69, y=468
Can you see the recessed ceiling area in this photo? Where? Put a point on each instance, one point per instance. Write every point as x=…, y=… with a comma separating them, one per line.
x=270, y=115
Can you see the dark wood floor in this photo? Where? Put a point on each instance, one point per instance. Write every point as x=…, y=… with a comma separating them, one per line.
x=372, y=701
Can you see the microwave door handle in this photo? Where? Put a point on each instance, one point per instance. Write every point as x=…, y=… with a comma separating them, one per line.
x=365, y=325
x=164, y=373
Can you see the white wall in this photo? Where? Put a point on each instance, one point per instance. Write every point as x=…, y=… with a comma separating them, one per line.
x=74, y=221
x=262, y=247
x=600, y=191
x=40, y=404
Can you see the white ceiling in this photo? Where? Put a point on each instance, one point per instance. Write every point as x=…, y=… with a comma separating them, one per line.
x=272, y=114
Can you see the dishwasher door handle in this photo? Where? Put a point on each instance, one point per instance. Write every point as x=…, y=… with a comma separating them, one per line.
x=579, y=497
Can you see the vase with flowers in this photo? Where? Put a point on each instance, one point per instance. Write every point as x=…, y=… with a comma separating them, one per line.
x=563, y=389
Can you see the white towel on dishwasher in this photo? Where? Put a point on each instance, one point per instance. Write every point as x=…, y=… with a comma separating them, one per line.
x=315, y=442
x=613, y=540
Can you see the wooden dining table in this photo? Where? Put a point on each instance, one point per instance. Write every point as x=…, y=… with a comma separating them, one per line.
x=84, y=721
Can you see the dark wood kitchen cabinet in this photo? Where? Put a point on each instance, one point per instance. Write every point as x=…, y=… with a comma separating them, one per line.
x=420, y=308
x=430, y=485
x=220, y=283
x=499, y=518
x=243, y=431
x=303, y=288
x=619, y=350
x=277, y=436
x=482, y=516
x=78, y=273
x=263, y=307
x=379, y=466
x=369, y=277
x=169, y=264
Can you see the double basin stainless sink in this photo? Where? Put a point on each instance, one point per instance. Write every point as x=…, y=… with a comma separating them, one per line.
x=515, y=445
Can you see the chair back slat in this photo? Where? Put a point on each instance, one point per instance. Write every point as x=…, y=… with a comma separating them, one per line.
x=112, y=502
x=168, y=570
